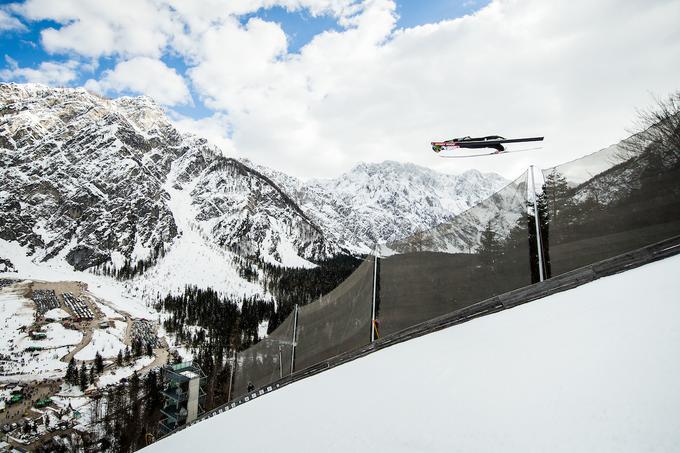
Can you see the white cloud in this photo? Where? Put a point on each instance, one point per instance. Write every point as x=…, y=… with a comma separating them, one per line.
x=572, y=70
x=10, y=23
x=146, y=76
x=373, y=92
x=243, y=59
x=101, y=28
x=131, y=28
x=48, y=72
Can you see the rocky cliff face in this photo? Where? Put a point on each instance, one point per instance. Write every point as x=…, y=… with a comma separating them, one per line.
x=82, y=176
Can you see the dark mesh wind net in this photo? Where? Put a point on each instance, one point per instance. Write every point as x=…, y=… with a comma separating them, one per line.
x=338, y=322
x=602, y=205
x=614, y=201
x=266, y=361
x=483, y=252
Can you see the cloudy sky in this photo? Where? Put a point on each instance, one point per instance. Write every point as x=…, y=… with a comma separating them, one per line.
x=311, y=87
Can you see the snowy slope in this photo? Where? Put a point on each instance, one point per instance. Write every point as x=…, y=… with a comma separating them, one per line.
x=594, y=369
x=193, y=259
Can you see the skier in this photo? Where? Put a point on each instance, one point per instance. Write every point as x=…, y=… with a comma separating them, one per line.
x=494, y=142
x=251, y=387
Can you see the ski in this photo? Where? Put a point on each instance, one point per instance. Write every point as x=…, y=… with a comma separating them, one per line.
x=491, y=141
x=494, y=153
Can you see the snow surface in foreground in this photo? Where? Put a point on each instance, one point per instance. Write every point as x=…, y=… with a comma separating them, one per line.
x=594, y=369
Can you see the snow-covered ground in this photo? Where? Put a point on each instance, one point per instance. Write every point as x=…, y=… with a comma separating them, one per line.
x=183, y=351
x=118, y=294
x=107, y=311
x=35, y=366
x=118, y=330
x=17, y=313
x=57, y=335
x=106, y=343
x=594, y=369
x=116, y=375
x=57, y=314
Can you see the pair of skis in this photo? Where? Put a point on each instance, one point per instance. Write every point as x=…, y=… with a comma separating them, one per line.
x=494, y=142
x=493, y=153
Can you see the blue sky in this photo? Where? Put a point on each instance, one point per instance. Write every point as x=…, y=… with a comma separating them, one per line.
x=24, y=46
x=371, y=84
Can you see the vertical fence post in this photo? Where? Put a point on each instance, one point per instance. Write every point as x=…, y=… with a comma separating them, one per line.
x=231, y=376
x=539, y=243
x=375, y=286
x=295, y=320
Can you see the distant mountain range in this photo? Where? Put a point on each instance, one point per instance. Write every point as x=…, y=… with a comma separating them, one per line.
x=112, y=183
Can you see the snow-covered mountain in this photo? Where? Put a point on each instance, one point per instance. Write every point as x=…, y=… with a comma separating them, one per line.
x=84, y=178
x=112, y=184
x=383, y=202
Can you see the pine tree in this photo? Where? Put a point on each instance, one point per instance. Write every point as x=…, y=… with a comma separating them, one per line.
x=556, y=195
x=490, y=248
x=83, y=377
x=98, y=363
x=71, y=373
x=127, y=355
x=119, y=358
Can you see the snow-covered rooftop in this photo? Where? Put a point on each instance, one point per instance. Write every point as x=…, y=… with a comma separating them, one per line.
x=592, y=369
x=189, y=374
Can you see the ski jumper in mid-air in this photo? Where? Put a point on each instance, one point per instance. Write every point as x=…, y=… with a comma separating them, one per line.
x=495, y=142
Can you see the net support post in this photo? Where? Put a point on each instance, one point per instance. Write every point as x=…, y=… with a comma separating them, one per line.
x=295, y=322
x=539, y=243
x=231, y=376
x=375, y=287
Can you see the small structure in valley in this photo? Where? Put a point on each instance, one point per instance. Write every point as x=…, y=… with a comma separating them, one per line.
x=183, y=393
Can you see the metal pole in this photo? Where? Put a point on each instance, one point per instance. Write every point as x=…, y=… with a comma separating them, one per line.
x=292, y=359
x=231, y=376
x=280, y=363
x=539, y=246
x=375, y=285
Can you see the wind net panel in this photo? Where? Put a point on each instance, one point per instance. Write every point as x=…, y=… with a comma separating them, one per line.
x=338, y=322
x=266, y=361
x=483, y=252
x=630, y=204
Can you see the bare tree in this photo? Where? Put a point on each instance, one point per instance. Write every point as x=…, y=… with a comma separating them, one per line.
x=657, y=126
